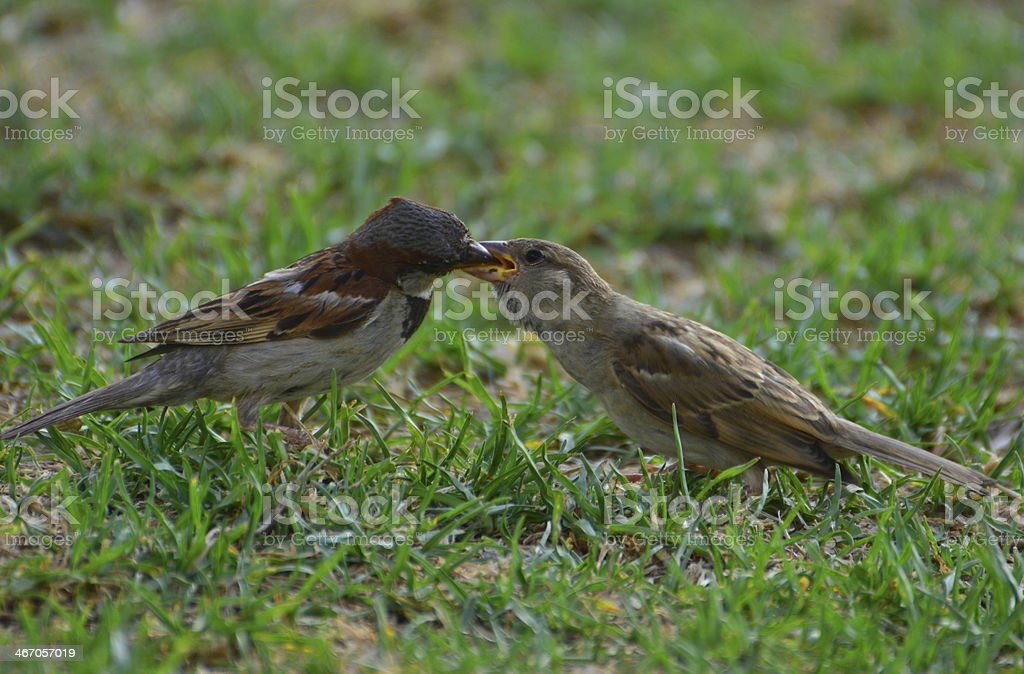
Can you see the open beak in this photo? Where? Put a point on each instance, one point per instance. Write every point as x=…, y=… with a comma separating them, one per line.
x=500, y=263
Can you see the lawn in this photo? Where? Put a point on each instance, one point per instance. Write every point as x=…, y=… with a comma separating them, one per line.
x=447, y=518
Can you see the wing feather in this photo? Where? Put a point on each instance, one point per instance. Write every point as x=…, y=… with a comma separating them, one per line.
x=725, y=392
x=321, y=296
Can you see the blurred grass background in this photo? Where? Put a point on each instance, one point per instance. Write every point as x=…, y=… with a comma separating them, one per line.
x=850, y=180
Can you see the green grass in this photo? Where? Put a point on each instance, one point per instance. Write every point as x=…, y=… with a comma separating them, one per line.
x=448, y=522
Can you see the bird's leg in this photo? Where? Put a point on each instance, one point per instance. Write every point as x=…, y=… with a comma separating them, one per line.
x=290, y=425
x=291, y=413
x=296, y=436
x=755, y=480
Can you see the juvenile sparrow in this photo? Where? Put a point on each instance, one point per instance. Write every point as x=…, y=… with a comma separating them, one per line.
x=731, y=405
x=342, y=310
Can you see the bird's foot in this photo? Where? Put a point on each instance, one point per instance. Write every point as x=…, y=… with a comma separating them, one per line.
x=294, y=438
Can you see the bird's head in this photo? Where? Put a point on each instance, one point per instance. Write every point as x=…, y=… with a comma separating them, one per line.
x=415, y=244
x=543, y=284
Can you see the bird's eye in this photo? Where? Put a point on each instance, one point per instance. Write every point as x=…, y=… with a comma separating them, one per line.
x=533, y=256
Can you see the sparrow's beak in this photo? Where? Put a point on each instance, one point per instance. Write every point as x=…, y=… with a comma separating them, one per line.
x=476, y=255
x=501, y=262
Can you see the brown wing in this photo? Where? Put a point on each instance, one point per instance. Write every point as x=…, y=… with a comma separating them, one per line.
x=321, y=295
x=725, y=392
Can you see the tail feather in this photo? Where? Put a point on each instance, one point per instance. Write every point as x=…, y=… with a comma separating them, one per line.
x=857, y=439
x=130, y=392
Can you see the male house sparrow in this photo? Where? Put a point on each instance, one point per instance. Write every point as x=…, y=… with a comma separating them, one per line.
x=731, y=405
x=344, y=309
